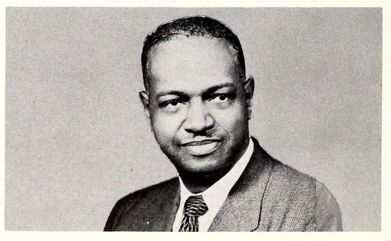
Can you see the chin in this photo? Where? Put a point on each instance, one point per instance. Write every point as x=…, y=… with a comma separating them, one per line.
x=207, y=165
x=202, y=166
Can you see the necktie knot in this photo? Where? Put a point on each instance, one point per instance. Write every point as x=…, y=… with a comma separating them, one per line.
x=195, y=206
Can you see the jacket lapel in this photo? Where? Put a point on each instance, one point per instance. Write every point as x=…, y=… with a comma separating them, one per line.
x=242, y=209
x=169, y=211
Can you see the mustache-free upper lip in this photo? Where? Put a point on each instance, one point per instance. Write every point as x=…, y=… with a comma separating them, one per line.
x=199, y=142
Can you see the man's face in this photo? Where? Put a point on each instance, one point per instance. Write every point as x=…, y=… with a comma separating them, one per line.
x=197, y=104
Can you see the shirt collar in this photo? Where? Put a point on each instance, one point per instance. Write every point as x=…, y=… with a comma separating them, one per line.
x=216, y=194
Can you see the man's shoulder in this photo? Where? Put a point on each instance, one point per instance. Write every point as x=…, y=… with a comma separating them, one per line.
x=154, y=191
x=289, y=175
x=309, y=191
x=277, y=170
x=292, y=193
x=283, y=181
x=288, y=183
x=140, y=205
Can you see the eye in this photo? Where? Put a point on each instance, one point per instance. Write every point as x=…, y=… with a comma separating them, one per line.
x=220, y=98
x=171, y=105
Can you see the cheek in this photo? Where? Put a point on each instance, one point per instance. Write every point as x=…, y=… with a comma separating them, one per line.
x=165, y=127
x=232, y=120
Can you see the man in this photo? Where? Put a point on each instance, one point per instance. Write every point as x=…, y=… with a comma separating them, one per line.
x=198, y=102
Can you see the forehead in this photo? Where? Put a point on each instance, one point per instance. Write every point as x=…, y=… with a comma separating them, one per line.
x=192, y=62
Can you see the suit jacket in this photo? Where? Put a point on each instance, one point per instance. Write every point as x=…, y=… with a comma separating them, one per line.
x=269, y=196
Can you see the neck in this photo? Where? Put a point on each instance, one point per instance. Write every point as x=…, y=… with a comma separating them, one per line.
x=197, y=183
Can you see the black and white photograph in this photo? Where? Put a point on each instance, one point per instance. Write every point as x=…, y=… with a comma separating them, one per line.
x=208, y=119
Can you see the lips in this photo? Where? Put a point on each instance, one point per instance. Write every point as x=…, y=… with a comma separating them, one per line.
x=202, y=147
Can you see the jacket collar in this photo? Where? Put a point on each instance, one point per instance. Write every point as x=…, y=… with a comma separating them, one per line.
x=242, y=209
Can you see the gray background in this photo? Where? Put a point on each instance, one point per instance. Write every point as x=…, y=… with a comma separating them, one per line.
x=77, y=139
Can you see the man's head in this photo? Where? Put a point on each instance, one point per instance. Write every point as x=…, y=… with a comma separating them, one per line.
x=197, y=96
x=191, y=26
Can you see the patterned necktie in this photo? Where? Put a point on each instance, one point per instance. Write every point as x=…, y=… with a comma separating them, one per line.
x=195, y=206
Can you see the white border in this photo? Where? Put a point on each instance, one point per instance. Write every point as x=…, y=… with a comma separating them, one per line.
x=386, y=120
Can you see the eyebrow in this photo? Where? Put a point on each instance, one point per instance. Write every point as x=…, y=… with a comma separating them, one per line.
x=204, y=92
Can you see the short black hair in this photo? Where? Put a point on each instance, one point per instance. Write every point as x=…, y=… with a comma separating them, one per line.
x=190, y=26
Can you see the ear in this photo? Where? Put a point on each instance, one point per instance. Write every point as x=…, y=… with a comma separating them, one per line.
x=145, y=101
x=249, y=91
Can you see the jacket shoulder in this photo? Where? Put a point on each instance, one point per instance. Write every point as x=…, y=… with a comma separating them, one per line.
x=289, y=200
x=289, y=175
x=289, y=184
x=138, y=202
x=151, y=191
x=279, y=172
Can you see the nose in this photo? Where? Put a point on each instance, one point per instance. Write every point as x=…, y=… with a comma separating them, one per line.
x=198, y=119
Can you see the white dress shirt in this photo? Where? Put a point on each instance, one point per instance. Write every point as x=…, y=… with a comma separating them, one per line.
x=216, y=194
